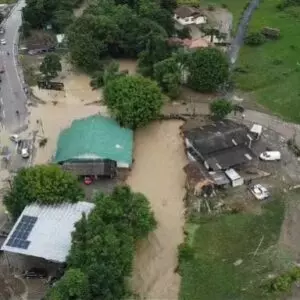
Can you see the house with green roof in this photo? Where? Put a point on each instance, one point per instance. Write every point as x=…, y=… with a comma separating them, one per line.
x=94, y=140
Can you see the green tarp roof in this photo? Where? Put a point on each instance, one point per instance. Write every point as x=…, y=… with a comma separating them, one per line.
x=96, y=137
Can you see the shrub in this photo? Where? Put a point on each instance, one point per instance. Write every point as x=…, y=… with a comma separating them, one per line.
x=221, y=108
x=255, y=39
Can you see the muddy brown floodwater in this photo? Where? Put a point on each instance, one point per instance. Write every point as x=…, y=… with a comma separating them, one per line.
x=157, y=172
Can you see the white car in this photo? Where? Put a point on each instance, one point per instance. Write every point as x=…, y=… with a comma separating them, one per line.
x=15, y=138
x=270, y=155
x=259, y=192
x=3, y=42
x=25, y=153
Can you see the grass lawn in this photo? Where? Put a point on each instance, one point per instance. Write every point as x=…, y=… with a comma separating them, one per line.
x=218, y=243
x=272, y=70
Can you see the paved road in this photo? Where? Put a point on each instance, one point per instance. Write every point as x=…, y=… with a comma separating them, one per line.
x=12, y=95
x=242, y=29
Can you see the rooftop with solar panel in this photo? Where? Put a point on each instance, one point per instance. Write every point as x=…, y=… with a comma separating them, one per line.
x=45, y=231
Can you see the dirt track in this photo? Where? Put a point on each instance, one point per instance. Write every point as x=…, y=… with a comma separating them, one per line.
x=157, y=172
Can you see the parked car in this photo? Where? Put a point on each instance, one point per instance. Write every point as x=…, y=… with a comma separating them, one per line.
x=259, y=192
x=2, y=70
x=3, y=42
x=270, y=155
x=36, y=273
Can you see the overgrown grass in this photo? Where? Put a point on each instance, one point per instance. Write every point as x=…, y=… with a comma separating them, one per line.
x=218, y=243
x=272, y=71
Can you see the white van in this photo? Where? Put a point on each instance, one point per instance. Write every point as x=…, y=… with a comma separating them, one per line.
x=270, y=155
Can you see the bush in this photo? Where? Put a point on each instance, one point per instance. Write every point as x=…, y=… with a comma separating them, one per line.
x=211, y=7
x=221, y=108
x=283, y=283
x=185, y=253
x=255, y=39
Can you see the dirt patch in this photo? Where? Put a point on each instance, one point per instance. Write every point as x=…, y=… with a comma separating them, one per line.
x=157, y=172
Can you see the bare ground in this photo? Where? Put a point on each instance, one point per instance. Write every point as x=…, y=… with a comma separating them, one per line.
x=157, y=172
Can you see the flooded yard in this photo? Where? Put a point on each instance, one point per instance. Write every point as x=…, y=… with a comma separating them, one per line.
x=157, y=172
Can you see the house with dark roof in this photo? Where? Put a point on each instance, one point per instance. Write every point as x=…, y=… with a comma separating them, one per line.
x=95, y=145
x=220, y=145
x=186, y=15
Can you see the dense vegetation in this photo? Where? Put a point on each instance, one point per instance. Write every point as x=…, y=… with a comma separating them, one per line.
x=208, y=69
x=38, y=14
x=101, y=257
x=109, y=30
x=43, y=184
x=133, y=100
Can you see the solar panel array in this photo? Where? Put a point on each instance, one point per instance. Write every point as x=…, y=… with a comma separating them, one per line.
x=19, y=237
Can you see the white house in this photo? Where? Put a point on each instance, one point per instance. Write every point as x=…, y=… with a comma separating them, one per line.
x=186, y=15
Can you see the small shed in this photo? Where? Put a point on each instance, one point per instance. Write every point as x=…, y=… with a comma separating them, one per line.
x=234, y=177
x=256, y=131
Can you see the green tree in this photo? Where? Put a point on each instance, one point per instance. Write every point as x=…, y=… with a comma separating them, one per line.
x=156, y=50
x=103, y=244
x=169, y=5
x=43, y=184
x=168, y=74
x=133, y=100
x=50, y=66
x=221, y=108
x=208, y=69
x=73, y=285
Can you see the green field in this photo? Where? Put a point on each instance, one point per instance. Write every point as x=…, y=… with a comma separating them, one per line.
x=272, y=71
x=218, y=243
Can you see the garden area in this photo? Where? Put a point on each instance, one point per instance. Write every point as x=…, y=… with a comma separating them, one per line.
x=270, y=71
x=233, y=256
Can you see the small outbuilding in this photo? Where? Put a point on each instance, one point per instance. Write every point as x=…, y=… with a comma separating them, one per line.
x=234, y=177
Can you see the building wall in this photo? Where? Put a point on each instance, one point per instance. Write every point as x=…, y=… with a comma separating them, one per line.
x=190, y=20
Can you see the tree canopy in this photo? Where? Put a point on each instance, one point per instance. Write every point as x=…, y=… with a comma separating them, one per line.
x=168, y=74
x=50, y=66
x=101, y=256
x=208, y=69
x=221, y=108
x=43, y=184
x=110, y=30
x=58, y=13
x=133, y=100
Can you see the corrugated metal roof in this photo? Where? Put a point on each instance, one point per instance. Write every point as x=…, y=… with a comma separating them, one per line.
x=95, y=137
x=50, y=237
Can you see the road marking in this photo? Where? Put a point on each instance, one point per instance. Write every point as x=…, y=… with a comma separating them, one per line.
x=3, y=112
x=1, y=101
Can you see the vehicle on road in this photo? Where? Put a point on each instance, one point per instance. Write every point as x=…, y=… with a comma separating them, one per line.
x=36, y=273
x=259, y=192
x=15, y=138
x=2, y=70
x=270, y=155
x=3, y=41
x=25, y=152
